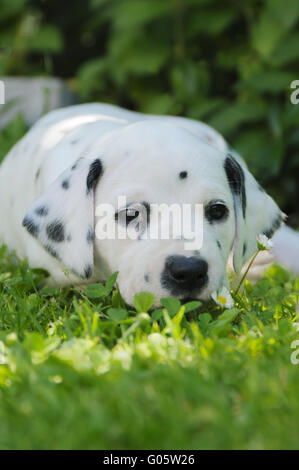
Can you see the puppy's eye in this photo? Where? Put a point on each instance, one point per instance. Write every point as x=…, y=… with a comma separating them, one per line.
x=131, y=214
x=135, y=216
x=127, y=215
x=216, y=211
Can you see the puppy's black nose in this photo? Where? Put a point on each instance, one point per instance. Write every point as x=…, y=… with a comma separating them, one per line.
x=183, y=270
x=184, y=274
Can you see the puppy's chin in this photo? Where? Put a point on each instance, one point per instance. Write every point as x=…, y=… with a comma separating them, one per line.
x=204, y=297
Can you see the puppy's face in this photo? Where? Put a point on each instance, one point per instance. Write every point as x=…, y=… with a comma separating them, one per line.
x=142, y=166
x=156, y=165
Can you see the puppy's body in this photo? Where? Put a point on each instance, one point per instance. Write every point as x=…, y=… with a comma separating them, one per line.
x=41, y=164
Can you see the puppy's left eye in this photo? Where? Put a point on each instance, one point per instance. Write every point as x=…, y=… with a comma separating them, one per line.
x=216, y=211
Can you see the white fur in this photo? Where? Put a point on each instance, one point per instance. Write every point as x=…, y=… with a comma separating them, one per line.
x=142, y=156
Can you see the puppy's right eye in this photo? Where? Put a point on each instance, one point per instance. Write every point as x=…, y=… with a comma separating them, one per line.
x=127, y=215
x=131, y=214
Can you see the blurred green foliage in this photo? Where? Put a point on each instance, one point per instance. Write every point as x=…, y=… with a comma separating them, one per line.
x=26, y=38
x=229, y=64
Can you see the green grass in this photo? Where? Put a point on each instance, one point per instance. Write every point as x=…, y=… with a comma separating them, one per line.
x=84, y=371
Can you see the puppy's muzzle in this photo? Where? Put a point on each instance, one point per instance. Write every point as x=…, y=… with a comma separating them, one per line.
x=183, y=275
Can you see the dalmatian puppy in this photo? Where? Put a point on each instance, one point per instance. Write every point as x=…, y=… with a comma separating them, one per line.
x=77, y=158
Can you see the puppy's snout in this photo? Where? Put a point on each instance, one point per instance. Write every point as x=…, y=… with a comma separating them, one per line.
x=183, y=274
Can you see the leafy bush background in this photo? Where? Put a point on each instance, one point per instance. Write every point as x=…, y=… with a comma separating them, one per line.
x=229, y=64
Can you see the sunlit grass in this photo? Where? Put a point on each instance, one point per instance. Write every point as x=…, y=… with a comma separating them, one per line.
x=84, y=371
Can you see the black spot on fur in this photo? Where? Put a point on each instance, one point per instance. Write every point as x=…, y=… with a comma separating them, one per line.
x=95, y=171
x=87, y=272
x=51, y=251
x=147, y=277
x=147, y=207
x=244, y=249
x=90, y=236
x=31, y=226
x=183, y=175
x=73, y=142
x=37, y=174
x=218, y=244
x=275, y=225
x=42, y=211
x=55, y=231
x=236, y=180
x=75, y=164
x=65, y=184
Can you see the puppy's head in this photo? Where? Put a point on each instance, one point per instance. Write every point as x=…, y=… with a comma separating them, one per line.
x=140, y=167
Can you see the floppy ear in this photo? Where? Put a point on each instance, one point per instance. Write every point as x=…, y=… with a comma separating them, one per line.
x=62, y=219
x=255, y=211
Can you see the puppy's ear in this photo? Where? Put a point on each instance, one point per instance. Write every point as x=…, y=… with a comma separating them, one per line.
x=255, y=211
x=62, y=219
